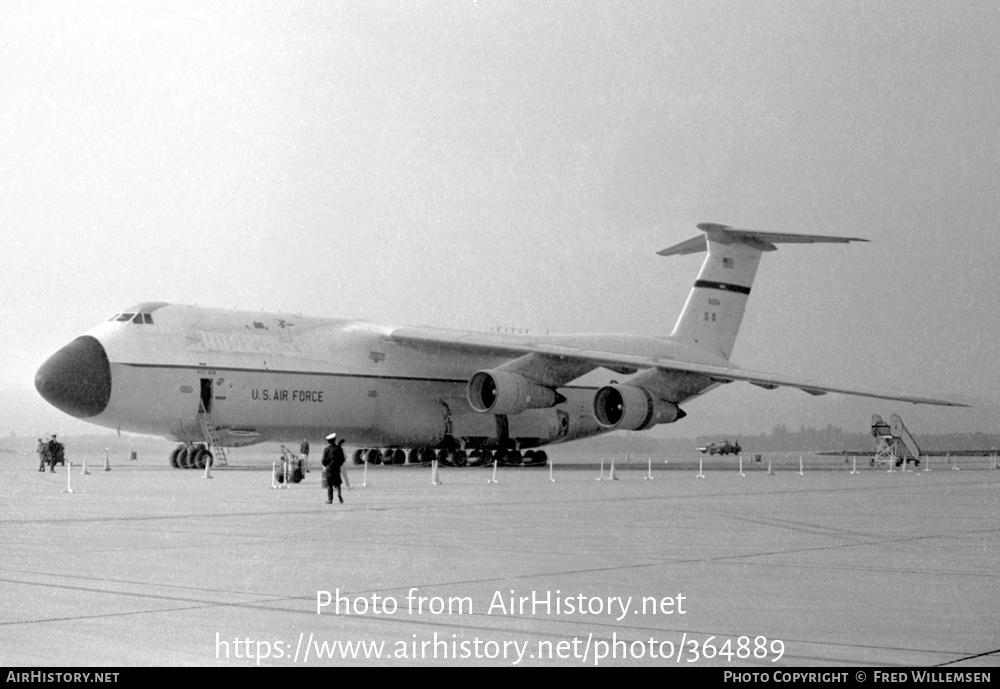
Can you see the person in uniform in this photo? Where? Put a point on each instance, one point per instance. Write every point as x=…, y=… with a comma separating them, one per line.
x=43, y=454
x=54, y=452
x=304, y=451
x=59, y=454
x=333, y=459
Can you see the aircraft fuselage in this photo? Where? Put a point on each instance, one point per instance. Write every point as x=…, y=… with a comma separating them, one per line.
x=277, y=377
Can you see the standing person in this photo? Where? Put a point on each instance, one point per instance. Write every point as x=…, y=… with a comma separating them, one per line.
x=53, y=453
x=58, y=454
x=304, y=451
x=333, y=460
x=43, y=454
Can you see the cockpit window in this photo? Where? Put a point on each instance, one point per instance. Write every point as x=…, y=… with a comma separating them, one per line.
x=138, y=317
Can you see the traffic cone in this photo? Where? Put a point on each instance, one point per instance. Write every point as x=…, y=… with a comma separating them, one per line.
x=274, y=469
x=551, y=478
x=649, y=471
x=83, y=469
x=770, y=471
x=612, y=476
x=700, y=474
x=601, y=477
x=434, y=473
x=208, y=469
x=494, y=479
x=69, y=470
x=107, y=460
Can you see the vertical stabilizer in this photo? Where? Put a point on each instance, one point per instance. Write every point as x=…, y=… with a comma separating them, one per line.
x=714, y=309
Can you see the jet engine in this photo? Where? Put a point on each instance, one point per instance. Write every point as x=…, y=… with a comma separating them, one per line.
x=503, y=392
x=629, y=408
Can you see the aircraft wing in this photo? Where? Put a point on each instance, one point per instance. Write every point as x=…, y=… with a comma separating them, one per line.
x=558, y=364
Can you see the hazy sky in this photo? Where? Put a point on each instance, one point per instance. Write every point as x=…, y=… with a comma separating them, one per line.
x=474, y=164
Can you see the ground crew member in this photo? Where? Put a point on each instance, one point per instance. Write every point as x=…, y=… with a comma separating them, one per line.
x=59, y=454
x=333, y=459
x=55, y=452
x=43, y=454
x=304, y=451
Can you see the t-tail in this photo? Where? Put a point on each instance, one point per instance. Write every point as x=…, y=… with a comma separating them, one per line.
x=714, y=309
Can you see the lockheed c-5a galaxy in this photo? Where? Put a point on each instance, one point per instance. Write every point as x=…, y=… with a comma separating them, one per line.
x=213, y=378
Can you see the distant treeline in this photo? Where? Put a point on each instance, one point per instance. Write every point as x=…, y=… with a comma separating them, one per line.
x=780, y=439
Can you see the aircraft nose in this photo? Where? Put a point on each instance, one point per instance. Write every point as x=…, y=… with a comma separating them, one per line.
x=77, y=378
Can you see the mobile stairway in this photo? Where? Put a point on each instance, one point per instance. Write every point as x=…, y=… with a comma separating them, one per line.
x=893, y=443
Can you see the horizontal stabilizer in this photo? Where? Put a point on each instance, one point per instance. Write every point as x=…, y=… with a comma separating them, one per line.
x=762, y=241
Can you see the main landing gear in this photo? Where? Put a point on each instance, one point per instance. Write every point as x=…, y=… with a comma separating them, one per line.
x=195, y=456
x=446, y=457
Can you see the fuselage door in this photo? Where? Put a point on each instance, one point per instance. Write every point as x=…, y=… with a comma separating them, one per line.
x=206, y=395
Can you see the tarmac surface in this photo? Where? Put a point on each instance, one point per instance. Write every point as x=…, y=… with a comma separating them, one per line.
x=147, y=565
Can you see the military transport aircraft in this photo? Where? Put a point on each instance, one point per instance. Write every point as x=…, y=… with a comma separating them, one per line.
x=213, y=378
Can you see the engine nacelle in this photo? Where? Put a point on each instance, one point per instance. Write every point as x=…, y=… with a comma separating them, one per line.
x=503, y=392
x=628, y=408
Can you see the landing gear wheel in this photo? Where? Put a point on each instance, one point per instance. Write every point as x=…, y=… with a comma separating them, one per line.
x=358, y=456
x=197, y=458
x=398, y=456
x=175, y=457
x=459, y=458
x=413, y=456
x=182, y=458
x=373, y=456
x=508, y=457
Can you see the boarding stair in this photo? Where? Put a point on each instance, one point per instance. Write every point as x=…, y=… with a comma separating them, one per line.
x=210, y=431
x=909, y=449
x=893, y=442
